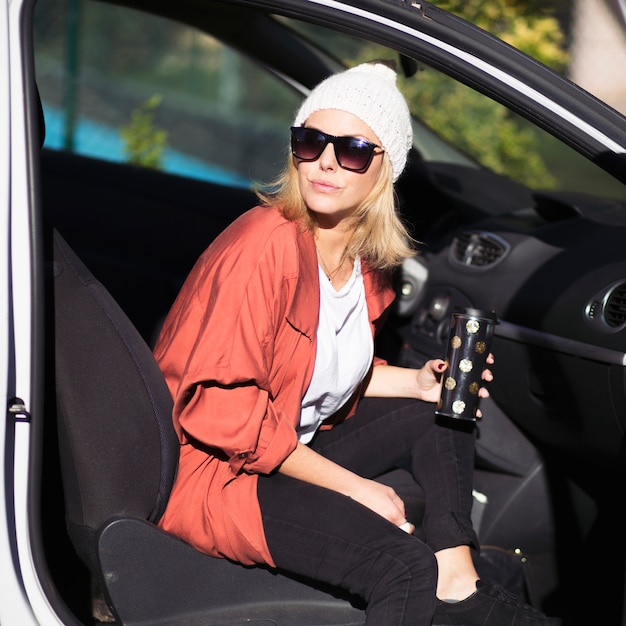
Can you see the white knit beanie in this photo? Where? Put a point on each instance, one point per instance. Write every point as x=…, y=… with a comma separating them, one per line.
x=368, y=91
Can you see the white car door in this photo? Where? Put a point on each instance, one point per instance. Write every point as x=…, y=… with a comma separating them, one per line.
x=22, y=601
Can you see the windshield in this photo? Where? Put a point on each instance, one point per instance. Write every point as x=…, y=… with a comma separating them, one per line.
x=456, y=125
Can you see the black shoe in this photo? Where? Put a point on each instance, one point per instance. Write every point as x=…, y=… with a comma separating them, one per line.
x=490, y=605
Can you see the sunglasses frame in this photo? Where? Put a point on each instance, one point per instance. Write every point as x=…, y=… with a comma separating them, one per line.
x=336, y=146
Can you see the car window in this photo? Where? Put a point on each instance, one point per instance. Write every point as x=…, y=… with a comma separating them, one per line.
x=456, y=125
x=121, y=85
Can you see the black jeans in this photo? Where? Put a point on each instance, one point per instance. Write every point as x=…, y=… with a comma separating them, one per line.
x=329, y=537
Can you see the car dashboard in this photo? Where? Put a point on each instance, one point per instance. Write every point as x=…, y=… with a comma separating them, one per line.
x=555, y=275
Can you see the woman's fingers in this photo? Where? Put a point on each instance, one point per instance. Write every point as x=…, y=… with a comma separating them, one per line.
x=407, y=527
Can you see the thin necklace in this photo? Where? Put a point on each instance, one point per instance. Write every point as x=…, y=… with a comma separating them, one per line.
x=330, y=275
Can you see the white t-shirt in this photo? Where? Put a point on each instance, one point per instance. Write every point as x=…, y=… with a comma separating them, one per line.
x=345, y=350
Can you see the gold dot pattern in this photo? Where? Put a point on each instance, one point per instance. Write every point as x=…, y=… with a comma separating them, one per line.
x=458, y=406
x=465, y=365
x=472, y=326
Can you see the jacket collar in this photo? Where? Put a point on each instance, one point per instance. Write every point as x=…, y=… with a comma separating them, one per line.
x=305, y=308
x=304, y=314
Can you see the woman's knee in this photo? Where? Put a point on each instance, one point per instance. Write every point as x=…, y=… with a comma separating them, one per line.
x=409, y=564
x=405, y=590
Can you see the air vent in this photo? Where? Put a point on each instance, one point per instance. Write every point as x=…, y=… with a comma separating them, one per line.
x=615, y=307
x=478, y=250
x=607, y=309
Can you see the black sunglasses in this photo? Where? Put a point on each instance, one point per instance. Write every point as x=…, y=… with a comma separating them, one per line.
x=352, y=153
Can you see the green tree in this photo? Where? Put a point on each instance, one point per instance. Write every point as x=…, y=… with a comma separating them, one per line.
x=520, y=23
x=144, y=142
x=484, y=128
x=481, y=127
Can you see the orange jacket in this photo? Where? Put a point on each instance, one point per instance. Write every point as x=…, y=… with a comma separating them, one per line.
x=237, y=350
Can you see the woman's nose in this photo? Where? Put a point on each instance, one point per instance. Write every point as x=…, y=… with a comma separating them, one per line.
x=328, y=159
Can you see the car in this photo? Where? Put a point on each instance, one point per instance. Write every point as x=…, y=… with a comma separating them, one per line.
x=135, y=132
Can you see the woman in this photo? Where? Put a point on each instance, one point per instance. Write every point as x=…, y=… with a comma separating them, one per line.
x=284, y=414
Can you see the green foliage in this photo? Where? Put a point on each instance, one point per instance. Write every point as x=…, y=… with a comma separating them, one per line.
x=144, y=142
x=488, y=131
x=483, y=128
x=539, y=35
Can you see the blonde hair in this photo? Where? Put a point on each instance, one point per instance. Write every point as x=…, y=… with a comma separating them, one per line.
x=380, y=237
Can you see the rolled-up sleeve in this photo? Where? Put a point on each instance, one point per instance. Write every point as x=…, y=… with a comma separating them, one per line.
x=223, y=351
x=240, y=424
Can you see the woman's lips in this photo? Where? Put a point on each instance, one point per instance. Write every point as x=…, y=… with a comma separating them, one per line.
x=323, y=186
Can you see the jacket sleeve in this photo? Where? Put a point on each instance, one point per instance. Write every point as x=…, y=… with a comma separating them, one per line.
x=217, y=353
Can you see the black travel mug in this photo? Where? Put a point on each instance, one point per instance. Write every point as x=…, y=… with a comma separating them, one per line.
x=470, y=336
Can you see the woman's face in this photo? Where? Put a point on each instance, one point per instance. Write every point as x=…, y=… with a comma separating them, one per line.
x=328, y=190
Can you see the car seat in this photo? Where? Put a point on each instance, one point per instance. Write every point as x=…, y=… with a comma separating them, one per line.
x=119, y=454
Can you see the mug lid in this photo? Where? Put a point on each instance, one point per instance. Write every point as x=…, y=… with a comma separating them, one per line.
x=489, y=316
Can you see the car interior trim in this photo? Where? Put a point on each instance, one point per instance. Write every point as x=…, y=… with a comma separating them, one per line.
x=572, y=347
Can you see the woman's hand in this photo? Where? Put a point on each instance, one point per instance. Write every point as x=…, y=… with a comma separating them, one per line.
x=306, y=464
x=384, y=501
x=429, y=379
x=424, y=384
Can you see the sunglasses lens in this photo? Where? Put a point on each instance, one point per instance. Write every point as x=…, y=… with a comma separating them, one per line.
x=353, y=153
x=307, y=143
